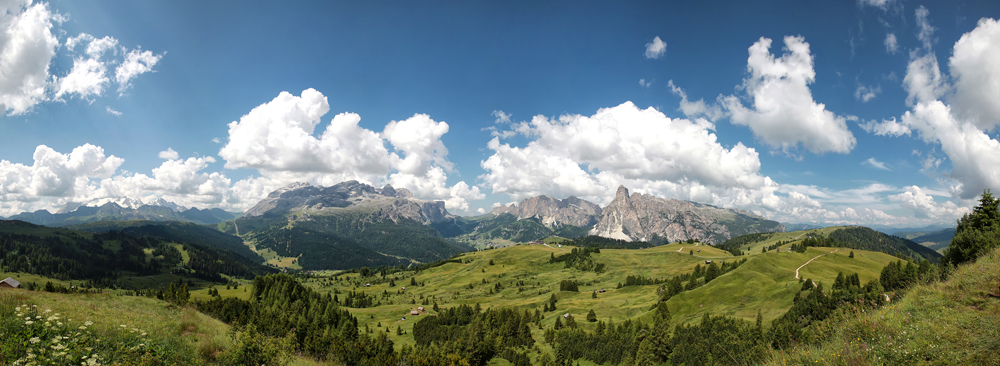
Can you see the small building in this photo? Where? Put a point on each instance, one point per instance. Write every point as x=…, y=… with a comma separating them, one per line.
x=601, y=290
x=9, y=282
x=414, y=312
x=708, y=262
x=420, y=309
x=566, y=315
x=368, y=285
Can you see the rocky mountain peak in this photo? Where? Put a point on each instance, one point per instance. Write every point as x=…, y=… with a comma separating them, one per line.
x=383, y=203
x=649, y=218
x=622, y=192
x=553, y=213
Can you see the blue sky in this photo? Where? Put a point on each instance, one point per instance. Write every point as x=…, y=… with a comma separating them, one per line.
x=869, y=112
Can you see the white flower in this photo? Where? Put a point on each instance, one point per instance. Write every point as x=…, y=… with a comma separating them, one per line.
x=34, y=340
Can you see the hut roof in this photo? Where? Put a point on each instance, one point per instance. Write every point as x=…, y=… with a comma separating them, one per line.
x=11, y=282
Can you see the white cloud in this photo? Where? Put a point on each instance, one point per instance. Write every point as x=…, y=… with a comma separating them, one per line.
x=54, y=174
x=976, y=71
x=644, y=83
x=925, y=207
x=881, y=4
x=875, y=164
x=656, y=49
x=891, y=45
x=137, y=62
x=216, y=140
x=112, y=111
x=926, y=33
x=590, y=156
x=697, y=108
x=886, y=128
x=502, y=118
x=27, y=47
x=783, y=113
x=170, y=154
x=865, y=93
x=959, y=127
x=278, y=139
x=86, y=78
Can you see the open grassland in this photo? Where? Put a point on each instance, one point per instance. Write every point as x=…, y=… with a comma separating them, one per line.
x=956, y=322
x=788, y=237
x=521, y=277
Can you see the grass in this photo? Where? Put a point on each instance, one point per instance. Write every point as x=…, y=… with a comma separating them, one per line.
x=952, y=322
x=765, y=283
x=125, y=330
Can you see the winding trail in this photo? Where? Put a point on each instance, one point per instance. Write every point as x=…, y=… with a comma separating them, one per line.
x=804, y=264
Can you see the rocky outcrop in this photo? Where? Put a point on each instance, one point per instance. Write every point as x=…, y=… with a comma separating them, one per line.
x=386, y=203
x=644, y=217
x=554, y=213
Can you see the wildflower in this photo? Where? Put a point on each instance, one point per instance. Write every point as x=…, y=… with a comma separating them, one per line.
x=34, y=340
x=29, y=322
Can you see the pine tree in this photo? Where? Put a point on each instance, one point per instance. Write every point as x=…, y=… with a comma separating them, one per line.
x=977, y=233
x=851, y=255
x=591, y=316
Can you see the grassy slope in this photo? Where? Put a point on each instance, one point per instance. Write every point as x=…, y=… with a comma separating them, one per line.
x=952, y=322
x=766, y=282
x=184, y=330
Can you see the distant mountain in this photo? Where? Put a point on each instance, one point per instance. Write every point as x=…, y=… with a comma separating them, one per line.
x=553, y=213
x=347, y=225
x=938, y=240
x=123, y=209
x=644, y=217
x=800, y=227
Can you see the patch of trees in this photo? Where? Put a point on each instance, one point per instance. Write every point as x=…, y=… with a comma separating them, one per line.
x=569, y=285
x=736, y=244
x=868, y=239
x=607, y=243
x=580, y=259
x=977, y=233
x=279, y=305
x=471, y=335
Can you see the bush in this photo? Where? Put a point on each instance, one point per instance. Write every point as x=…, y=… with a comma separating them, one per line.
x=252, y=348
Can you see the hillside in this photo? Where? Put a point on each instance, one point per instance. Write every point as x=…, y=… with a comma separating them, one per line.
x=853, y=237
x=175, y=231
x=522, y=278
x=113, y=259
x=125, y=210
x=954, y=322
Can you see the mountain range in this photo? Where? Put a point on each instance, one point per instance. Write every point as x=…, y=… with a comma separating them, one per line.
x=124, y=209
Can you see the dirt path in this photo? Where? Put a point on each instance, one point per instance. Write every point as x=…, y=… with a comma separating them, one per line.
x=804, y=264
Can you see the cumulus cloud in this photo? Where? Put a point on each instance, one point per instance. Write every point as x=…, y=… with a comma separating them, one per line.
x=169, y=154
x=656, y=49
x=925, y=207
x=86, y=78
x=27, y=47
x=783, y=113
x=891, y=45
x=875, y=164
x=279, y=139
x=957, y=116
x=976, y=72
x=54, y=174
x=645, y=150
x=137, y=62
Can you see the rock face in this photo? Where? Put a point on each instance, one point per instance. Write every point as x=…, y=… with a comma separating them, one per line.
x=648, y=218
x=385, y=203
x=554, y=213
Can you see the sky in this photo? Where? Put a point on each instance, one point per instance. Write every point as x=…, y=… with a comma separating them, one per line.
x=876, y=112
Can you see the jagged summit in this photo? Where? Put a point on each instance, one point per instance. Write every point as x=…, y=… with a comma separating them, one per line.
x=650, y=218
x=386, y=202
x=121, y=201
x=554, y=213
